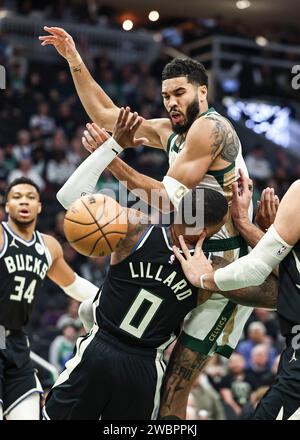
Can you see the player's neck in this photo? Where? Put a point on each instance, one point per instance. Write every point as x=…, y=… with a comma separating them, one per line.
x=24, y=231
x=203, y=108
x=174, y=232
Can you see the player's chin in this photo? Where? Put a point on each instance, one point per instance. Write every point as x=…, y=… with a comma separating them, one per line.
x=25, y=220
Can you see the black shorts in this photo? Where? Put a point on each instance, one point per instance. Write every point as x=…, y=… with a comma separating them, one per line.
x=18, y=377
x=282, y=401
x=107, y=380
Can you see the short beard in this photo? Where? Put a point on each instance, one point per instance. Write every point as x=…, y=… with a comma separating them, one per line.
x=192, y=113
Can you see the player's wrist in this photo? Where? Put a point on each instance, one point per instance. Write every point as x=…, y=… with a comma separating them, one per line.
x=201, y=281
x=75, y=61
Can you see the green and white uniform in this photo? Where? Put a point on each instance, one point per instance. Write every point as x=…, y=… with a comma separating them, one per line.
x=217, y=325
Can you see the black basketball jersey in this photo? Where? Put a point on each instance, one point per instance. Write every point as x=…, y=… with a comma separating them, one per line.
x=23, y=267
x=288, y=304
x=146, y=296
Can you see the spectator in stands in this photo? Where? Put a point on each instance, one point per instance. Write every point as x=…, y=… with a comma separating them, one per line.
x=25, y=169
x=258, y=166
x=256, y=335
x=207, y=399
x=235, y=388
x=259, y=371
x=61, y=349
x=42, y=120
x=23, y=148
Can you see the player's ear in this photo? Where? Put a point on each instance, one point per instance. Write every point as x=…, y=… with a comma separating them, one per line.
x=6, y=208
x=202, y=93
x=39, y=208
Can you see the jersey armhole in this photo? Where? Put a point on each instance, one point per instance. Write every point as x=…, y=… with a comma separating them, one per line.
x=47, y=252
x=171, y=137
x=5, y=242
x=142, y=239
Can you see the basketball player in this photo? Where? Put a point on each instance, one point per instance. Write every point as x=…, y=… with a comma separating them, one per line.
x=26, y=257
x=203, y=149
x=279, y=245
x=117, y=370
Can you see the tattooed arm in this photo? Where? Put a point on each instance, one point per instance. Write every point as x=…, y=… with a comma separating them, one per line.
x=137, y=224
x=211, y=143
x=264, y=296
x=183, y=369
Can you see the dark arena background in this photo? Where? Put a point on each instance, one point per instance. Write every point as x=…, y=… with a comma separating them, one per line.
x=251, y=50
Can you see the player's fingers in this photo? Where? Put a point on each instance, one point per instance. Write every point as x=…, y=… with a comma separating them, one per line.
x=120, y=115
x=267, y=200
x=137, y=123
x=86, y=145
x=57, y=31
x=125, y=116
x=184, y=247
x=262, y=202
x=46, y=43
x=140, y=141
x=133, y=121
x=235, y=191
x=245, y=182
x=198, y=247
x=46, y=37
x=277, y=201
x=90, y=139
x=96, y=135
x=272, y=201
x=100, y=131
x=178, y=254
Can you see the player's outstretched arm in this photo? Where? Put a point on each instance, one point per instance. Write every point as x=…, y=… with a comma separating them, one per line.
x=64, y=276
x=97, y=103
x=253, y=269
x=86, y=176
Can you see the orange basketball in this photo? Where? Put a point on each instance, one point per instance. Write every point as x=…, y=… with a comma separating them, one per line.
x=94, y=225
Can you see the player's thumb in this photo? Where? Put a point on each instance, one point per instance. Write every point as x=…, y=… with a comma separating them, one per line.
x=141, y=141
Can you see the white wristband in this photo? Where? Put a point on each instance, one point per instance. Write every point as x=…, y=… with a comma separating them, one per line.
x=201, y=281
x=176, y=190
x=81, y=289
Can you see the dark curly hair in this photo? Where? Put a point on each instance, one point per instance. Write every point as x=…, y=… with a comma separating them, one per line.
x=193, y=70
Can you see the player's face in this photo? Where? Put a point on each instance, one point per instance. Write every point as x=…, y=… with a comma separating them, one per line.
x=211, y=230
x=23, y=204
x=181, y=102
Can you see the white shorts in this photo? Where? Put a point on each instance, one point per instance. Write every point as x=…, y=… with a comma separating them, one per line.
x=217, y=325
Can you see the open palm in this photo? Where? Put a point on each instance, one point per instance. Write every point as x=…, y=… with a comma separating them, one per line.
x=195, y=265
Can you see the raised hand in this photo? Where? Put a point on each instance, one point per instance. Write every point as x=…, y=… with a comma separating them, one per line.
x=63, y=43
x=195, y=265
x=242, y=192
x=94, y=137
x=126, y=127
x=267, y=209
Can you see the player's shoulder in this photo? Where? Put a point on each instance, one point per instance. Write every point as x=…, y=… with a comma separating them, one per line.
x=53, y=245
x=1, y=236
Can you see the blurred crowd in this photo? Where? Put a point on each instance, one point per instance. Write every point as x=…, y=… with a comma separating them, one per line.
x=41, y=125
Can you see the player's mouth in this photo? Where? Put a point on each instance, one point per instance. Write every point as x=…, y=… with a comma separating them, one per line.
x=24, y=213
x=176, y=117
